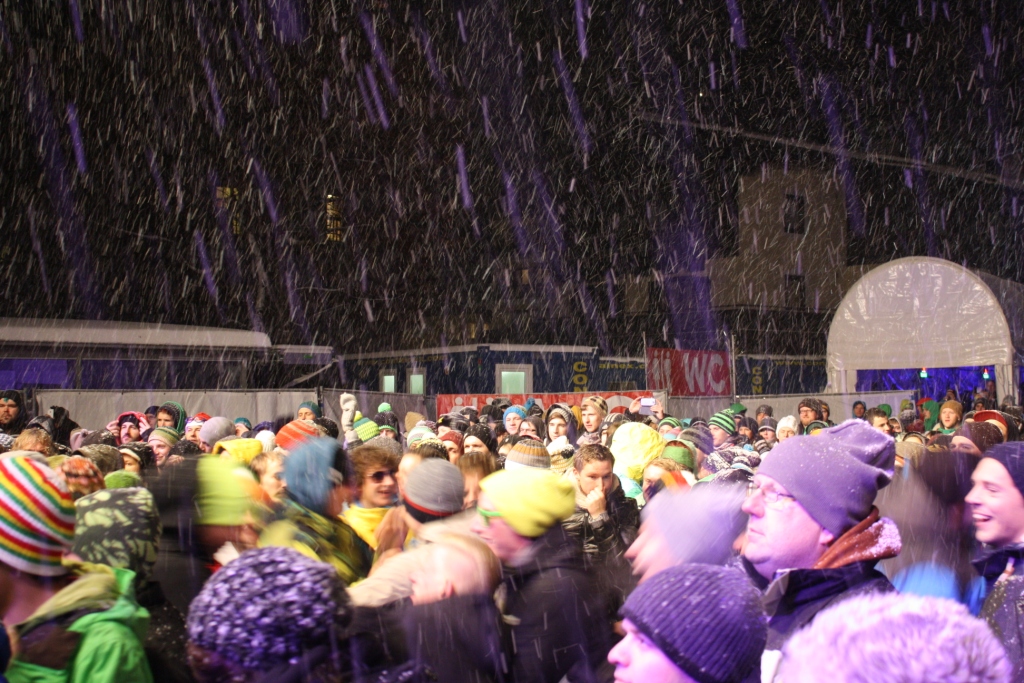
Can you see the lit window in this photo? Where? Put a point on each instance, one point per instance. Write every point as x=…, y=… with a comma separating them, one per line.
x=333, y=228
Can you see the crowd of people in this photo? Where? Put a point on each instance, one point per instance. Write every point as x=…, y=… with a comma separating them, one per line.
x=515, y=543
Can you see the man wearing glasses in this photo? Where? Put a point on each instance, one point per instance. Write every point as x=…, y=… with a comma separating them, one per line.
x=550, y=607
x=814, y=535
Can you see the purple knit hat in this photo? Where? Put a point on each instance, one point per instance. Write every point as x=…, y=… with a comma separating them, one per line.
x=836, y=473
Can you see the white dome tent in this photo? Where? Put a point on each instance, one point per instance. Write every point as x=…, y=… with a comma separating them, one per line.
x=927, y=312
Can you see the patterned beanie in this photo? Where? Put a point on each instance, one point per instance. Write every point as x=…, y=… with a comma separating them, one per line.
x=267, y=607
x=434, y=490
x=700, y=437
x=37, y=517
x=83, y=476
x=528, y=452
x=720, y=645
x=386, y=443
x=455, y=437
x=418, y=434
x=106, y=458
x=365, y=428
x=386, y=419
x=724, y=420
x=561, y=411
x=293, y=434
x=597, y=402
x=562, y=455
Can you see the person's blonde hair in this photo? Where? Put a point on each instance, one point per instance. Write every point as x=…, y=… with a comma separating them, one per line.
x=487, y=572
x=31, y=438
x=666, y=464
x=262, y=461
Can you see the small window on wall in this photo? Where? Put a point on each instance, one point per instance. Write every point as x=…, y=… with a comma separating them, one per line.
x=513, y=379
x=388, y=381
x=416, y=382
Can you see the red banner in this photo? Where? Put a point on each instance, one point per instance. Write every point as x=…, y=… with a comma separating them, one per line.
x=689, y=373
x=618, y=401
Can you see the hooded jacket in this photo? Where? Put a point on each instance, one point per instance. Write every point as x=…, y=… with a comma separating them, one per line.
x=549, y=604
x=89, y=632
x=795, y=596
x=1003, y=609
x=177, y=411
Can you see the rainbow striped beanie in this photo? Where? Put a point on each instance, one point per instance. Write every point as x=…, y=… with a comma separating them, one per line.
x=37, y=517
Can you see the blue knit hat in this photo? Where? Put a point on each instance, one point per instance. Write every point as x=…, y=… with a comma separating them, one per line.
x=308, y=472
x=312, y=405
x=518, y=410
x=707, y=620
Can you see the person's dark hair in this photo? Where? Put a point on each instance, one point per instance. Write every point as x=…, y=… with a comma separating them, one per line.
x=185, y=449
x=872, y=413
x=430, y=450
x=538, y=424
x=594, y=452
x=328, y=425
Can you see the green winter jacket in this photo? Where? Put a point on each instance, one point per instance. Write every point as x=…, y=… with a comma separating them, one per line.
x=89, y=632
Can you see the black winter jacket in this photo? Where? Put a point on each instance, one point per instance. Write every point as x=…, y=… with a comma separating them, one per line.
x=554, y=615
x=604, y=541
x=1004, y=602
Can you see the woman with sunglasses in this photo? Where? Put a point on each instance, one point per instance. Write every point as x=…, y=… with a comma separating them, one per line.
x=376, y=491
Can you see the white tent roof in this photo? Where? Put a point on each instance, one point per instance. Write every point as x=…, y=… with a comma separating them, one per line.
x=924, y=312
x=109, y=333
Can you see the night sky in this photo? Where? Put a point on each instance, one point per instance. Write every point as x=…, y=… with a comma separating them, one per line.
x=461, y=144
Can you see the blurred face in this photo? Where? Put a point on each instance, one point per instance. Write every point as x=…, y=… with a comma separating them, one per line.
x=471, y=443
x=471, y=490
x=379, y=488
x=718, y=435
x=825, y=413
x=780, y=533
x=450, y=572
x=858, y=410
x=305, y=414
x=807, y=416
x=8, y=411
x=652, y=475
x=962, y=444
x=131, y=464
x=405, y=466
x=638, y=660
x=151, y=418
x=665, y=429
x=746, y=432
x=591, y=418
x=527, y=429
x=240, y=429
x=130, y=432
x=512, y=422
x=881, y=423
x=948, y=417
x=557, y=427
x=160, y=451
x=272, y=480
x=649, y=553
x=767, y=434
x=596, y=475
x=453, y=451
x=503, y=541
x=444, y=429
x=164, y=419
x=997, y=507
x=192, y=433
x=783, y=433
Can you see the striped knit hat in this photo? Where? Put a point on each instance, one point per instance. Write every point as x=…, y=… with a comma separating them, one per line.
x=725, y=421
x=166, y=435
x=528, y=452
x=37, y=517
x=365, y=428
x=295, y=433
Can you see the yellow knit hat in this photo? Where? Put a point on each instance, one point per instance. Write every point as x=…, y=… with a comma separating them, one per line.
x=241, y=450
x=530, y=500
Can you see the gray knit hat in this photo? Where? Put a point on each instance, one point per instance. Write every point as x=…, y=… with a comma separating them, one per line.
x=215, y=429
x=528, y=453
x=707, y=620
x=699, y=436
x=836, y=473
x=435, y=489
x=386, y=443
x=267, y=607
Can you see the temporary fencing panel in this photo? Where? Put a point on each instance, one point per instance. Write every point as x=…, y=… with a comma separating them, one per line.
x=840, y=405
x=94, y=409
x=368, y=401
x=618, y=401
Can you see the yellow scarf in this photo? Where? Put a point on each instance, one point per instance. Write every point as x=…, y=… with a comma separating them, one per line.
x=365, y=522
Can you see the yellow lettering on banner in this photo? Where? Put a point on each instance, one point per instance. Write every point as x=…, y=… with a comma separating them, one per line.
x=757, y=380
x=579, y=366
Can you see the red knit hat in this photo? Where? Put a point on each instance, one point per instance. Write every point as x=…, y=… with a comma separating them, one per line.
x=455, y=437
x=295, y=432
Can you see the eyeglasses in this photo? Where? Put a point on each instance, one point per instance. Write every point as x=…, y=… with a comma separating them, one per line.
x=772, y=498
x=488, y=515
x=380, y=475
